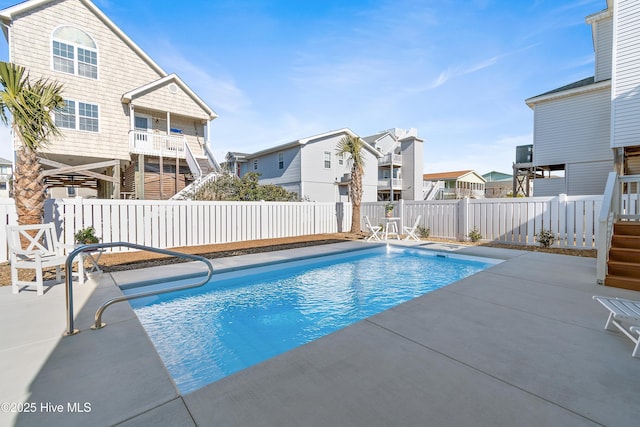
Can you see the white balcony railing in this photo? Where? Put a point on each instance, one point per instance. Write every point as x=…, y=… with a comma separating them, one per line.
x=384, y=184
x=387, y=159
x=157, y=144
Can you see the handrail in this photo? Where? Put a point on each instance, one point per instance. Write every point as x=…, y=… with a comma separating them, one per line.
x=95, y=246
x=609, y=210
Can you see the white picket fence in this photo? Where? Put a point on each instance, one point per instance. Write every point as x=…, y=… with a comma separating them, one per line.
x=175, y=223
x=509, y=220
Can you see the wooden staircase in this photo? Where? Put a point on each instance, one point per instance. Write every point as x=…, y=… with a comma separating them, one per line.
x=624, y=256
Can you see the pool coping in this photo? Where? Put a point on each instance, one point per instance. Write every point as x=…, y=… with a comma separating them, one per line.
x=118, y=372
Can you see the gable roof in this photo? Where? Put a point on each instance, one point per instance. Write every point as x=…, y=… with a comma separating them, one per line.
x=303, y=141
x=449, y=175
x=581, y=86
x=7, y=15
x=127, y=97
x=497, y=176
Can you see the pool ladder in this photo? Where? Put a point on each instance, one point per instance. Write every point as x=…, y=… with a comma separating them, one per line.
x=94, y=247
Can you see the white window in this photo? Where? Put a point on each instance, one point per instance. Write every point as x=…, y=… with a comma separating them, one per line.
x=280, y=160
x=79, y=116
x=340, y=158
x=327, y=160
x=255, y=165
x=74, y=52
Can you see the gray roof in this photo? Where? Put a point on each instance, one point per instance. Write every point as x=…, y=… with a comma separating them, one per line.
x=4, y=161
x=584, y=82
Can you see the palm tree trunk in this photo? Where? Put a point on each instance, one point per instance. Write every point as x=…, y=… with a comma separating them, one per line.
x=29, y=189
x=356, y=199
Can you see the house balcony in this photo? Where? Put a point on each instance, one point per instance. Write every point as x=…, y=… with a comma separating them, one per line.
x=385, y=185
x=157, y=144
x=388, y=160
x=344, y=179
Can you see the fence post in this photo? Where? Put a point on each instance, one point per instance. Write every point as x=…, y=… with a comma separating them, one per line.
x=563, y=233
x=463, y=219
x=401, y=214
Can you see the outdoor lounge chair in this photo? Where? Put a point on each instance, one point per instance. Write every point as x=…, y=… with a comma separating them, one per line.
x=623, y=312
x=35, y=247
x=373, y=229
x=411, y=231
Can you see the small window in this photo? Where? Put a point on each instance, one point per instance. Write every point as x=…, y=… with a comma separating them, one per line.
x=327, y=160
x=255, y=165
x=3, y=185
x=340, y=159
x=78, y=116
x=280, y=160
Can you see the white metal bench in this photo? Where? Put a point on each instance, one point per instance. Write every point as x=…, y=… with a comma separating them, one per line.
x=623, y=312
x=36, y=247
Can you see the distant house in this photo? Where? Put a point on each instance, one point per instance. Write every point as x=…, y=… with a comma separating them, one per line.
x=590, y=127
x=453, y=185
x=401, y=165
x=6, y=173
x=311, y=167
x=129, y=128
x=497, y=184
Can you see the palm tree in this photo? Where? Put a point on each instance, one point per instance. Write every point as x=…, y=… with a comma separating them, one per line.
x=31, y=107
x=353, y=146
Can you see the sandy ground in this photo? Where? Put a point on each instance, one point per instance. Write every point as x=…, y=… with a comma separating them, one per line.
x=133, y=260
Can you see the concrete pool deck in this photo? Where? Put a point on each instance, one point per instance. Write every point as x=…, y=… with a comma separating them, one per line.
x=521, y=343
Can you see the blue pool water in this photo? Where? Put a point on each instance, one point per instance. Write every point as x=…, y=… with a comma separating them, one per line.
x=243, y=318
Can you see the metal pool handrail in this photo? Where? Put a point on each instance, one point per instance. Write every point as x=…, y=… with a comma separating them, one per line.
x=96, y=246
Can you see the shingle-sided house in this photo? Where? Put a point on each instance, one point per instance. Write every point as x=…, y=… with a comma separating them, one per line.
x=586, y=129
x=130, y=129
x=309, y=167
x=453, y=185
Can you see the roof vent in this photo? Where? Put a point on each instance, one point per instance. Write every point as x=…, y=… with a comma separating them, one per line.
x=173, y=88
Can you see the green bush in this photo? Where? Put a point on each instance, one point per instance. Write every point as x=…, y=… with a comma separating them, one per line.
x=546, y=238
x=474, y=235
x=86, y=236
x=423, y=231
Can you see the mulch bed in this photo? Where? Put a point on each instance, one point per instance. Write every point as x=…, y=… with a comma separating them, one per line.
x=134, y=260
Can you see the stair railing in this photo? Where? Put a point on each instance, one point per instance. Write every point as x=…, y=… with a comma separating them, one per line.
x=621, y=201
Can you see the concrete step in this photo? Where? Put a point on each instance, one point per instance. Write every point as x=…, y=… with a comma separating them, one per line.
x=627, y=228
x=625, y=241
x=622, y=282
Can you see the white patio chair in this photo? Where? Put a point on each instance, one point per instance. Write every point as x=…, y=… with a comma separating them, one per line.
x=411, y=231
x=41, y=249
x=373, y=230
x=625, y=316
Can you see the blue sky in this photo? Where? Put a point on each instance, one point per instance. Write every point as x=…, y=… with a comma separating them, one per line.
x=457, y=70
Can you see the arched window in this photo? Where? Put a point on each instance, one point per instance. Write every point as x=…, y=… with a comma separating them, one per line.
x=74, y=52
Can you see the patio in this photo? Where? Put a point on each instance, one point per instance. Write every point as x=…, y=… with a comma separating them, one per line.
x=519, y=344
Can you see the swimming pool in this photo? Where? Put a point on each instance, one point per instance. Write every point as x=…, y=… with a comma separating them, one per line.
x=244, y=317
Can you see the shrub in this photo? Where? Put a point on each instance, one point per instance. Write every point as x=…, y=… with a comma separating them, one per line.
x=423, y=231
x=546, y=238
x=474, y=235
x=86, y=236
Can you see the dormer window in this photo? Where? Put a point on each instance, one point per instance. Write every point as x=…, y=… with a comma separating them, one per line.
x=74, y=52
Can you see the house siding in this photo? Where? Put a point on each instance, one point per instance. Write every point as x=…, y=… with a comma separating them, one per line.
x=412, y=168
x=549, y=187
x=587, y=178
x=30, y=45
x=572, y=129
x=180, y=102
x=603, y=32
x=626, y=63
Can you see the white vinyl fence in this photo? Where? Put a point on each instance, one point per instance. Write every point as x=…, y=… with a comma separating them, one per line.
x=174, y=223
x=573, y=219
